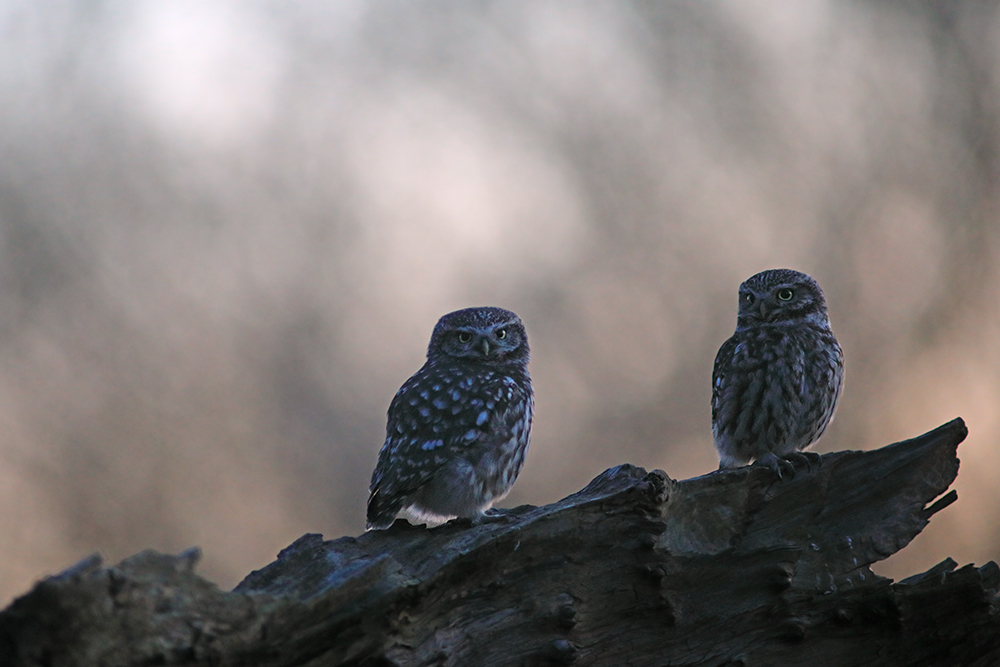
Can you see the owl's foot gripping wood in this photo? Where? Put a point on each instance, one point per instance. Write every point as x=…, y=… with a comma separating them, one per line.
x=811, y=460
x=785, y=466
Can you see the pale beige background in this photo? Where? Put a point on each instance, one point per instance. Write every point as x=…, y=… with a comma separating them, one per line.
x=227, y=229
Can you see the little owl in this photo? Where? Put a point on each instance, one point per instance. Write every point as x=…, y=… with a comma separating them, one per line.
x=458, y=429
x=777, y=380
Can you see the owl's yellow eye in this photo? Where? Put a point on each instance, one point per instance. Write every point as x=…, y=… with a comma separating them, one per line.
x=749, y=298
x=464, y=337
x=785, y=294
x=502, y=334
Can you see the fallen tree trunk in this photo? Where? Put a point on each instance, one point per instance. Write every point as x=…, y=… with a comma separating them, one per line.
x=731, y=568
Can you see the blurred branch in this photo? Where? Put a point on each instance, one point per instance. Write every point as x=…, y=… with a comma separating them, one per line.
x=730, y=568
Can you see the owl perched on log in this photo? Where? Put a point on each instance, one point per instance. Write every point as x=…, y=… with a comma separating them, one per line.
x=777, y=380
x=458, y=429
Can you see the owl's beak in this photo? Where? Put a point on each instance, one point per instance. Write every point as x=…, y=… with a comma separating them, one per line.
x=486, y=347
x=764, y=309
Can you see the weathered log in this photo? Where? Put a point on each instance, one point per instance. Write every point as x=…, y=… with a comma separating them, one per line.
x=731, y=568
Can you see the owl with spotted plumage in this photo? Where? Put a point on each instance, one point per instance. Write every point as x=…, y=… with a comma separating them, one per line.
x=777, y=380
x=458, y=429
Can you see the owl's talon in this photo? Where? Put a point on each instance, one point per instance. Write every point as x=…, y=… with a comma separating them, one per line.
x=779, y=466
x=808, y=459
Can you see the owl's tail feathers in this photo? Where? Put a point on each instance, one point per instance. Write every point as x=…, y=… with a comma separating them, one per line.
x=382, y=509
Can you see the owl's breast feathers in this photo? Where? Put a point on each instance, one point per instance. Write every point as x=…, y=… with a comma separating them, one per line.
x=753, y=357
x=445, y=411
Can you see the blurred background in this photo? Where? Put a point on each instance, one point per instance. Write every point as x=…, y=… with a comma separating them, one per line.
x=228, y=228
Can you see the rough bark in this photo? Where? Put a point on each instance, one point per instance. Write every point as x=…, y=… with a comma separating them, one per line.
x=731, y=568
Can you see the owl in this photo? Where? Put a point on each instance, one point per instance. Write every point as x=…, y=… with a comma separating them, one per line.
x=458, y=429
x=777, y=380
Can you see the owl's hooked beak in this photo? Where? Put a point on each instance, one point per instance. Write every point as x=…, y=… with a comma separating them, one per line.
x=764, y=308
x=486, y=347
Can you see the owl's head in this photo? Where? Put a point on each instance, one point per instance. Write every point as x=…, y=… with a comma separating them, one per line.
x=485, y=334
x=778, y=296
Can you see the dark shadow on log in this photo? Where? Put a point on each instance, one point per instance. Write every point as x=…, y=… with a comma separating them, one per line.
x=731, y=568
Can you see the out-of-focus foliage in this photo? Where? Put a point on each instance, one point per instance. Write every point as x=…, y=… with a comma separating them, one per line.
x=227, y=229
